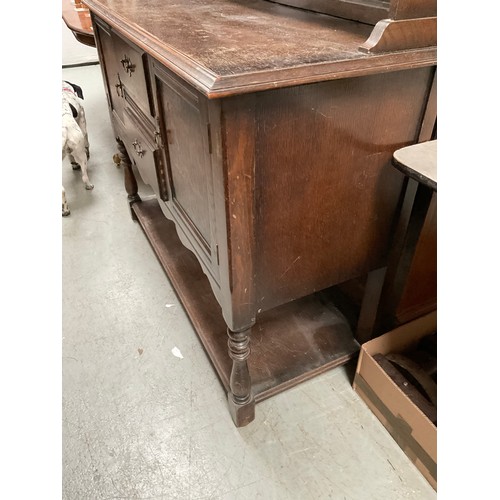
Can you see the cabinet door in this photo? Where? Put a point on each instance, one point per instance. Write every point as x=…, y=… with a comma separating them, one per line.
x=185, y=131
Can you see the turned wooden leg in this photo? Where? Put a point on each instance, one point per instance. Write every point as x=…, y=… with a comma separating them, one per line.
x=240, y=397
x=130, y=181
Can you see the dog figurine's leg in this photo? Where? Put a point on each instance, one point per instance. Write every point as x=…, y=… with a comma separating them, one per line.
x=75, y=148
x=74, y=164
x=82, y=123
x=81, y=158
x=65, y=208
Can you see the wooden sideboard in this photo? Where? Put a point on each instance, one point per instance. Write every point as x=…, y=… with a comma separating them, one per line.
x=266, y=134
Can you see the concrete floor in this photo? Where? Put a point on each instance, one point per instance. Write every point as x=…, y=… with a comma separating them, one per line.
x=140, y=422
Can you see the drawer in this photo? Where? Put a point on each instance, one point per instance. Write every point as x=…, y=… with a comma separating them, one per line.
x=143, y=152
x=131, y=62
x=110, y=67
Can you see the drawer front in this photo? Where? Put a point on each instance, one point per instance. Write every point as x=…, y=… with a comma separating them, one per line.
x=143, y=151
x=131, y=62
x=110, y=68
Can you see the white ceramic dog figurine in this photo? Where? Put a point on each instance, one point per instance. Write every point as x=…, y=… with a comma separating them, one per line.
x=75, y=143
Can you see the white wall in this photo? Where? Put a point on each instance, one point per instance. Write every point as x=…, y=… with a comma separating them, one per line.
x=75, y=52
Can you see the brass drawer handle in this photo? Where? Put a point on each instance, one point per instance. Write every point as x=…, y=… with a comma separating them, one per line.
x=127, y=64
x=138, y=148
x=119, y=87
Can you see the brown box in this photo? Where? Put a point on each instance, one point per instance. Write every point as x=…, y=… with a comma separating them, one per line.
x=407, y=424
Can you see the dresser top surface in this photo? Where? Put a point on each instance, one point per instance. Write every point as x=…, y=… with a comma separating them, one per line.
x=224, y=45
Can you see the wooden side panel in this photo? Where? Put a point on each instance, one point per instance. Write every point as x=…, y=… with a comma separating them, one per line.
x=326, y=191
x=238, y=144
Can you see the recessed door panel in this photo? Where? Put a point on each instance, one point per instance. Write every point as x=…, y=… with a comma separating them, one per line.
x=186, y=137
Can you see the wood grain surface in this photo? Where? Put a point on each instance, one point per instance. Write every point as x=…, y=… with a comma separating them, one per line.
x=232, y=46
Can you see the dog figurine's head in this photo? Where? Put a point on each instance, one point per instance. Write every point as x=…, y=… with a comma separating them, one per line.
x=75, y=88
x=70, y=91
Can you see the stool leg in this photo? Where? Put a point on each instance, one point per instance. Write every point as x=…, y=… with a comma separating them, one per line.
x=419, y=198
x=369, y=307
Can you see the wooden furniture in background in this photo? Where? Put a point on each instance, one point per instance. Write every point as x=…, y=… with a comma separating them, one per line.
x=76, y=16
x=267, y=137
x=408, y=286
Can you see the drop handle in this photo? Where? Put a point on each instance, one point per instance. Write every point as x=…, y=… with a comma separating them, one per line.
x=138, y=148
x=128, y=65
x=119, y=87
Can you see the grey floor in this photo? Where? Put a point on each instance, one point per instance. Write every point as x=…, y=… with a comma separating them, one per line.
x=144, y=414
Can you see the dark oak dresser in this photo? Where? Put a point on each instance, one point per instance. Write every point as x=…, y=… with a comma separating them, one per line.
x=266, y=132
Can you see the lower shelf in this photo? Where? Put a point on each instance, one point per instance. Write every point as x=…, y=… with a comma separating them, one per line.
x=289, y=344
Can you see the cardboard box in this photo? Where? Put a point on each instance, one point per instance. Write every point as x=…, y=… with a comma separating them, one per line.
x=407, y=424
